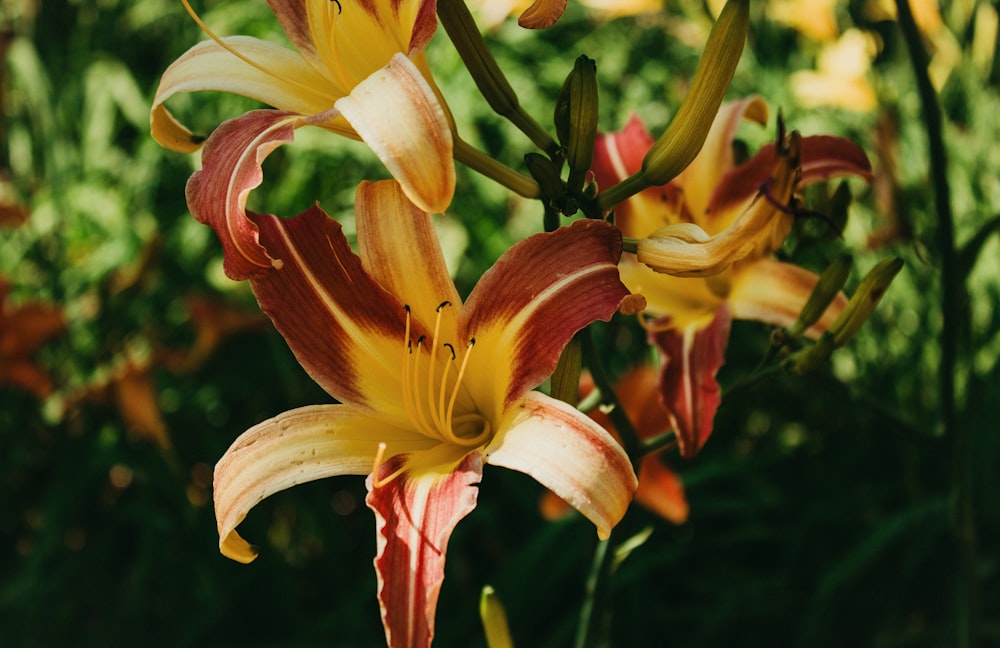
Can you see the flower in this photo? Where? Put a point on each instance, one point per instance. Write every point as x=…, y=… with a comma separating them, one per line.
x=359, y=71
x=428, y=388
x=660, y=488
x=712, y=230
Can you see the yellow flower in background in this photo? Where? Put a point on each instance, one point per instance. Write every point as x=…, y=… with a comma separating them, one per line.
x=841, y=75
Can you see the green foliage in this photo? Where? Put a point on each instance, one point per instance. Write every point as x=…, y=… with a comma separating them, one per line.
x=822, y=510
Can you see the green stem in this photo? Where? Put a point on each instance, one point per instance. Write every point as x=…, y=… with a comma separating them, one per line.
x=951, y=291
x=621, y=191
x=592, y=627
x=619, y=418
x=489, y=78
x=478, y=161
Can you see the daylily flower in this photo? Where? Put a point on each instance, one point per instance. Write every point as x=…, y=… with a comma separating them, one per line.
x=359, y=71
x=713, y=230
x=428, y=388
x=660, y=488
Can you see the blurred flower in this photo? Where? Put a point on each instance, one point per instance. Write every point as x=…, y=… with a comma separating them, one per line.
x=841, y=75
x=815, y=19
x=359, y=71
x=660, y=489
x=717, y=223
x=23, y=329
x=539, y=14
x=213, y=321
x=427, y=389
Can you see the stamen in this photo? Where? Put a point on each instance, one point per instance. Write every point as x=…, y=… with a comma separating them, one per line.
x=436, y=415
x=458, y=381
x=339, y=8
x=218, y=40
x=379, y=482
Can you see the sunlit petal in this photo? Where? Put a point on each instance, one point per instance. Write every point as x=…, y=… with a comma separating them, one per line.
x=345, y=329
x=415, y=514
x=217, y=194
x=396, y=112
x=527, y=307
x=774, y=292
x=281, y=79
x=569, y=454
x=392, y=232
x=691, y=358
x=298, y=446
x=542, y=14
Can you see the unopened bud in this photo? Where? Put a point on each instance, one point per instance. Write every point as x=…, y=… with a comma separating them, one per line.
x=565, y=382
x=494, y=618
x=687, y=131
x=861, y=305
x=576, y=120
x=859, y=308
x=830, y=283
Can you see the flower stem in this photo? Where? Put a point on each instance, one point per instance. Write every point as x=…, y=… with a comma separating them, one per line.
x=489, y=78
x=594, y=615
x=963, y=518
x=478, y=161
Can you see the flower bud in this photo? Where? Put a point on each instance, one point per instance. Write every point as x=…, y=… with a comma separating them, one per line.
x=576, y=120
x=831, y=282
x=687, y=131
x=494, y=619
x=859, y=308
x=565, y=381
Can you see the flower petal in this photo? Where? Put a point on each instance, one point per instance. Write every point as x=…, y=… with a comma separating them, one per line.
x=415, y=514
x=528, y=306
x=300, y=445
x=822, y=157
x=687, y=250
x=542, y=14
x=661, y=491
x=344, y=328
x=774, y=292
x=691, y=358
x=716, y=155
x=217, y=194
x=400, y=249
x=569, y=454
x=396, y=112
x=277, y=77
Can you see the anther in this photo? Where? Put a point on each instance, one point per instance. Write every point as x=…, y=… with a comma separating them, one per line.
x=450, y=348
x=442, y=305
x=339, y=8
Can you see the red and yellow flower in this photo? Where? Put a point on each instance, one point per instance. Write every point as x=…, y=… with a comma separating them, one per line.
x=358, y=70
x=428, y=388
x=704, y=249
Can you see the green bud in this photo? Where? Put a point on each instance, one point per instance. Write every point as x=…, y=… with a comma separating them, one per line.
x=861, y=305
x=859, y=308
x=494, y=618
x=831, y=282
x=565, y=382
x=687, y=131
x=576, y=120
x=546, y=174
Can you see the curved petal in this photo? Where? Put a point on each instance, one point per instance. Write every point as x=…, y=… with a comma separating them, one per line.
x=528, y=306
x=687, y=250
x=542, y=14
x=298, y=446
x=342, y=326
x=716, y=155
x=396, y=112
x=822, y=157
x=568, y=453
x=415, y=514
x=400, y=249
x=774, y=292
x=231, y=168
x=691, y=358
x=263, y=71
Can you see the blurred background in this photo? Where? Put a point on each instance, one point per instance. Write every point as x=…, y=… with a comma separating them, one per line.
x=855, y=506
